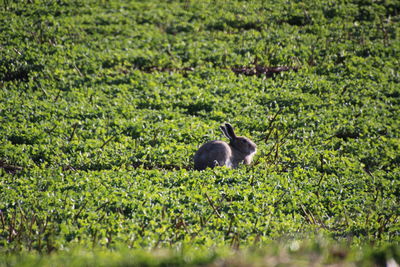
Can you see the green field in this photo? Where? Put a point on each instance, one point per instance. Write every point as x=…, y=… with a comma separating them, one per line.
x=104, y=103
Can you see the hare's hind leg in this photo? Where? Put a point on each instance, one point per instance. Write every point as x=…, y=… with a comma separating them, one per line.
x=229, y=164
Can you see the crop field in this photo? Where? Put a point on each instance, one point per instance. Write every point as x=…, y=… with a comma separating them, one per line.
x=103, y=105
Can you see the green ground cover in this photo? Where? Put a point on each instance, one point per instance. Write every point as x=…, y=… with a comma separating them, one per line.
x=104, y=103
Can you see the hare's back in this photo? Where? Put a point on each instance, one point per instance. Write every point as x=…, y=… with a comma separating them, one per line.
x=212, y=154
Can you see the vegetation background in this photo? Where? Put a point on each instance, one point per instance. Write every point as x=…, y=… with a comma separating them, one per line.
x=104, y=103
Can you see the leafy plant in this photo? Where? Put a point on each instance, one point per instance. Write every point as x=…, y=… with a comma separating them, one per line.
x=103, y=106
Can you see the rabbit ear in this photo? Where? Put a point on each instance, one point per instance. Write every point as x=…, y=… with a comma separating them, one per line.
x=230, y=131
x=225, y=131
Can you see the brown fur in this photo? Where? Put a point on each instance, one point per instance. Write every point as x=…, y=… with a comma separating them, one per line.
x=218, y=153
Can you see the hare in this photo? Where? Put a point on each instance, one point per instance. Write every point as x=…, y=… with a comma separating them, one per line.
x=219, y=153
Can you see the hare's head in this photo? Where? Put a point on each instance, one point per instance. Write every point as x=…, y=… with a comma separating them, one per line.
x=241, y=143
